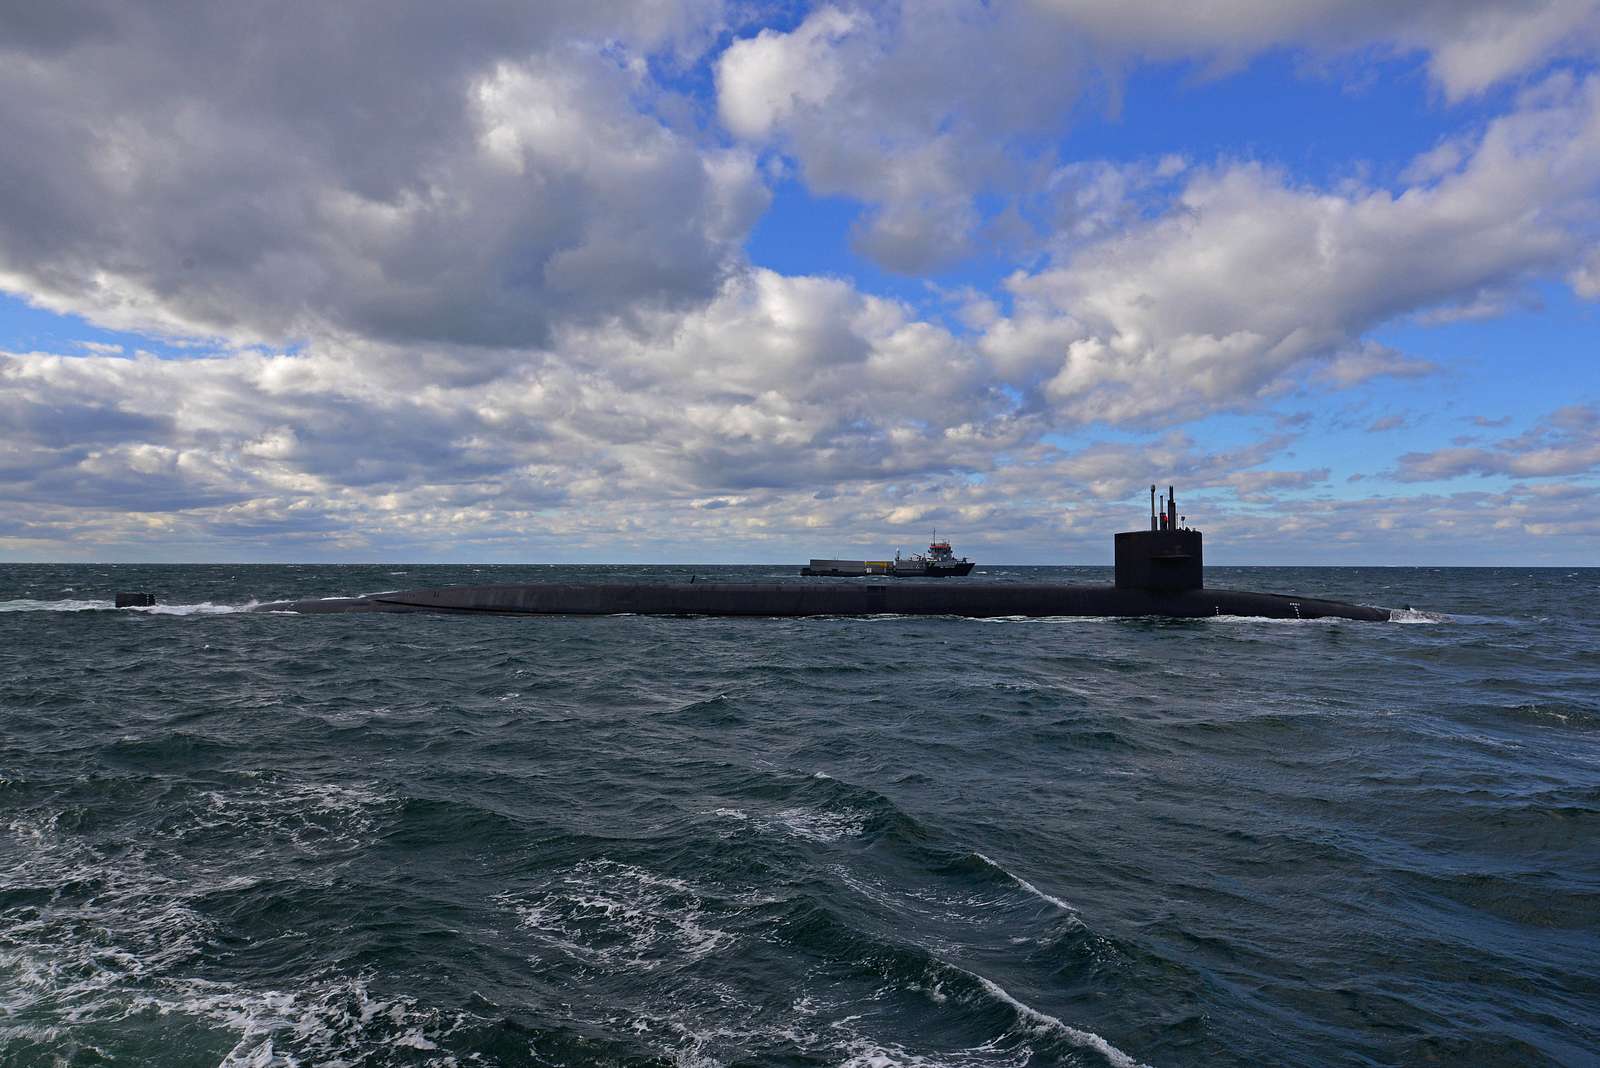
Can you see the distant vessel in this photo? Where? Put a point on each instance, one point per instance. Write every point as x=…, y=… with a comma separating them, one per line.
x=938, y=562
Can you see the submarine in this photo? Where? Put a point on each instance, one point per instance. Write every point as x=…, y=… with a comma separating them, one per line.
x=1159, y=572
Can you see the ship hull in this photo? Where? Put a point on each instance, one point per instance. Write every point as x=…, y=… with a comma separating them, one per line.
x=890, y=569
x=937, y=571
x=979, y=600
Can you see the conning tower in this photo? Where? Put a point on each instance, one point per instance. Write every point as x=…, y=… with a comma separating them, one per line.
x=1166, y=558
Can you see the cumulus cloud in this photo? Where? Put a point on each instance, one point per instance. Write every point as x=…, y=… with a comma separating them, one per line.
x=472, y=175
x=902, y=106
x=313, y=455
x=777, y=384
x=717, y=426
x=766, y=78
x=1249, y=277
x=917, y=107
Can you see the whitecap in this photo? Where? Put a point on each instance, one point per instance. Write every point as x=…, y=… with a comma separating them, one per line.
x=1269, y=621
x=129, y=947
x=1048, y=619
x=202, y=608
x=71, y=605
x=820, y=825
x=326, y=1022
x=1417, y=615
x=286, y=817
x=1044, y=1023
x=617, y=916
x=1029, y=887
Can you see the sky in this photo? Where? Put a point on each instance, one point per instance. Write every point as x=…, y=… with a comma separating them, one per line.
x=723, y=281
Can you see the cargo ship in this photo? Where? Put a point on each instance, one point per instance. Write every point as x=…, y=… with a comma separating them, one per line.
x=939, y=561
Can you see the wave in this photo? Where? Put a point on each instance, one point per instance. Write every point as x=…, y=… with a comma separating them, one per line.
x=824, y=810
x=865, y=1053
x=1049, y=619
x=100, y=934
x=965, y=888
x=1044, y=1022
x=271, y=817
x=617, y=916
x=854, y=947
x=1225, y=620
x=1418, y=615
x=1029, y=887
x=820, y=825
x=202, y=608
x=608, y=919
x=334, y=1021
x=1550, y=713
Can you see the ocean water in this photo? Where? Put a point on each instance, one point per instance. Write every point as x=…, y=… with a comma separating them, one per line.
x=236, y=839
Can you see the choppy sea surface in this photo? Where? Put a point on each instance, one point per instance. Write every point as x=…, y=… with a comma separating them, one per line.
x=241, y=839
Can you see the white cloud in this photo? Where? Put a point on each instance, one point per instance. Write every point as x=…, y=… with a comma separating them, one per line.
x=1471, y=44
x=917, y=107
x=764, y=79
x=318, y=454
x=1248, y=278
x=1585, y=278
x=1566, y=443
x=1475, y=49
x=778, y=384
x=1369, y=360
x=907, y=108
x=360, y=171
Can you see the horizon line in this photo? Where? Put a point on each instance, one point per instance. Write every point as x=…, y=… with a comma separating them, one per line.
x=687, y=564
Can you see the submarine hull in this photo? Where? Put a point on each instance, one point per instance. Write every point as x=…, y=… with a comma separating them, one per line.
x=986, y=600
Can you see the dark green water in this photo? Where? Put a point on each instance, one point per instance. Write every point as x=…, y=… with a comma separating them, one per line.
x=234, y=839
